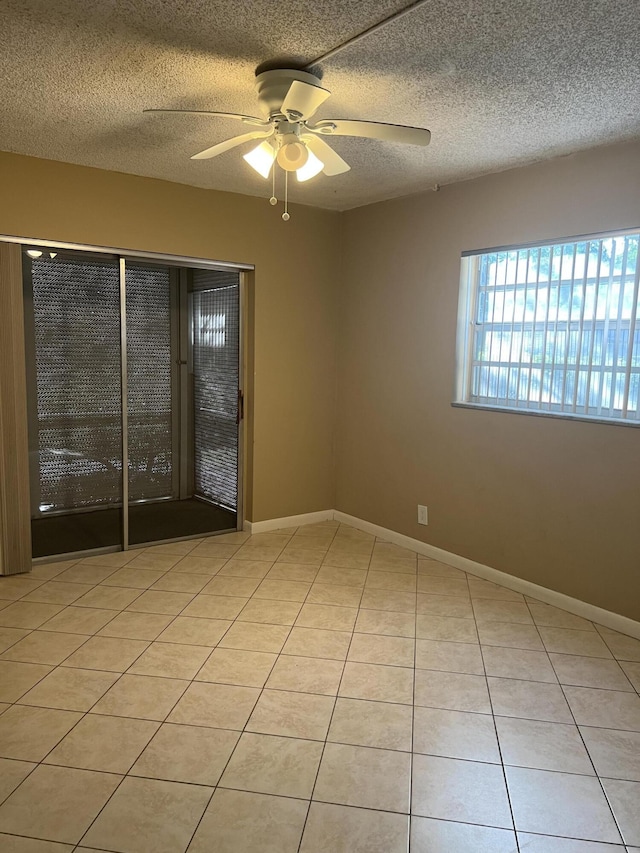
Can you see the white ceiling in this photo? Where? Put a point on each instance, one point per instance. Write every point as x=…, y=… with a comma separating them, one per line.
x=498, y=82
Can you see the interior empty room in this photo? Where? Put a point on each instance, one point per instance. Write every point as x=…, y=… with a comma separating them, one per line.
x=320, y=427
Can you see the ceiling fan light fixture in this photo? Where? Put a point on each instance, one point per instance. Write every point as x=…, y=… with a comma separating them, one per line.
x=261, y=158
x=293, y=154
x=288, y=99
x=311, y=168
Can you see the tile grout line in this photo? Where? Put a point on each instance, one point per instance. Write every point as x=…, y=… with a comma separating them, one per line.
x=495, y=729
x=91, y=669
x=324, y=744
x=126, y=775
x=595, y=771
x=192, y=680
x=316, y=740
x=85, y=713
x=173, y=642
x=541, y=835
x=231, y=754
x=42, y=626
x=413, y=715
x=244, y=729
x=577, y=727
x=617, y=660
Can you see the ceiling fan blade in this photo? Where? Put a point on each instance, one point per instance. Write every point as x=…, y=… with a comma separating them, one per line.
x=303, y=99
x=246, y=119
x=373, y=130
x=228, y=144
x=333, y=164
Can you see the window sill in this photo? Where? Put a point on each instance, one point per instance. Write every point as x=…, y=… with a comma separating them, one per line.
x=540, y=414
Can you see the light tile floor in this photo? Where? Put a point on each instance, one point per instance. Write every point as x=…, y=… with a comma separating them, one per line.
x=313, y=690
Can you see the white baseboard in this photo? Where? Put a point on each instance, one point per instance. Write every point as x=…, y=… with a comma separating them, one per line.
x=606, y=618
x=288, y=521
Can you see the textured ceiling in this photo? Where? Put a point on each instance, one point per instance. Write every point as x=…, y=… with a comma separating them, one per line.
x=498, y=83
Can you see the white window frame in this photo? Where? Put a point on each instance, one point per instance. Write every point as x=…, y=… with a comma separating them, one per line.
x=468, y=328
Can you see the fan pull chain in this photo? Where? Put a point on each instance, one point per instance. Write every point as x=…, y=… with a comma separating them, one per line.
x=273, y=200
x=285, y=215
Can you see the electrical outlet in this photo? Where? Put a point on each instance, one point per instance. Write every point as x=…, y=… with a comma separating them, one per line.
x=423, y=517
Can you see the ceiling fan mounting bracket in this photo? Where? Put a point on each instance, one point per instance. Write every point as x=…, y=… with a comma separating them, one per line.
x=272, y=87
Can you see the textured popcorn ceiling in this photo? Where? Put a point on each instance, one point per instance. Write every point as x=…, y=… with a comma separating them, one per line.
x=498, y=82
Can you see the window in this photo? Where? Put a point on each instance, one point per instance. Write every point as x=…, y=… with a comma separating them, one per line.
x=212, y=330
x=553, y=328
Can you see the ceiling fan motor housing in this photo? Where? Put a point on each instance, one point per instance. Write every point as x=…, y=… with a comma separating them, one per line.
x=272, y=87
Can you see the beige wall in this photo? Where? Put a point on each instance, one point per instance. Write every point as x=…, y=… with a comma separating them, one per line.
x=552, y=501
x=555, y=502
x=295, y=284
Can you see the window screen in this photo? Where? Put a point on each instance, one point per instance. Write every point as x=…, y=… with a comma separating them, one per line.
x=77, y=441
x=554, y=328
x=215, y=354
x=78, y=446
x=149, y=385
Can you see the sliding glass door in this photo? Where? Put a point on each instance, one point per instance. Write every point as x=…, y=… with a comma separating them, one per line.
x=153, y=392
x=172, y=334
x=182, y=401
x=215, y=323
x=72, y=318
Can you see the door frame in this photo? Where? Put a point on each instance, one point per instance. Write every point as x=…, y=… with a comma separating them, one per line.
x=15, y=515
x=122, y=254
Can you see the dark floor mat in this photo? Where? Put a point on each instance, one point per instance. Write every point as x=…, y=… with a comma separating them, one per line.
x=152, y=522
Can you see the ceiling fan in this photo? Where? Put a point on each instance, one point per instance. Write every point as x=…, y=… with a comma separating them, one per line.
x=288, y=99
